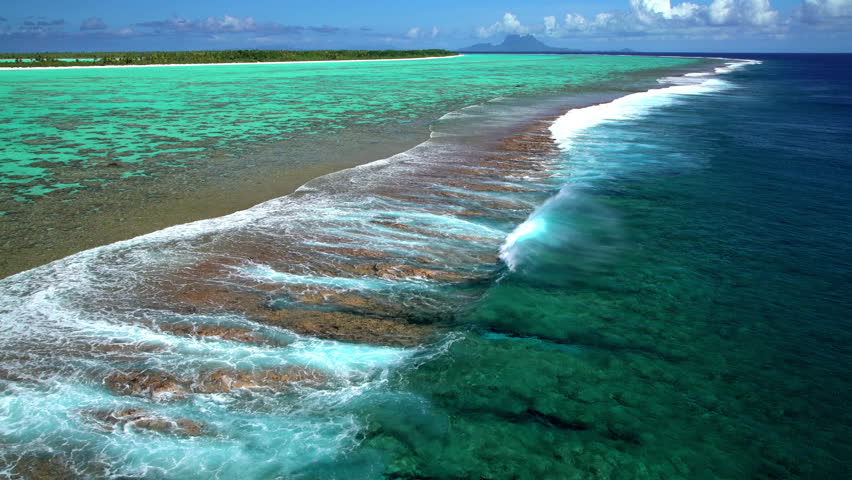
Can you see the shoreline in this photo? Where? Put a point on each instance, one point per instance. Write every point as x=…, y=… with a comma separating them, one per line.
x=347, y=61
x=227, y=64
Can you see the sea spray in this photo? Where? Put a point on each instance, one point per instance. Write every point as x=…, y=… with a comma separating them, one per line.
x=570, y=238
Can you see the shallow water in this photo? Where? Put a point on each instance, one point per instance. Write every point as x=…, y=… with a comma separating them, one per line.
x=84, y=149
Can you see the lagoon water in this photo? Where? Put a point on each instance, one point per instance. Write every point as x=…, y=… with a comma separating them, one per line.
x=648, y=286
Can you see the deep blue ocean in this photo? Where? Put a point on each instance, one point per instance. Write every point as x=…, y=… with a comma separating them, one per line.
x=654, y=287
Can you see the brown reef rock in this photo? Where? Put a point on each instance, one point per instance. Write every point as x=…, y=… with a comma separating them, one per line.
x=111, y=420
x=147, y=383
x=165, y=386
x=43, y=467
x=225, y=333
x=349, y=327
x=224, y=380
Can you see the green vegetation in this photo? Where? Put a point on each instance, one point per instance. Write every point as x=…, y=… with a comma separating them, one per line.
x=60, y=59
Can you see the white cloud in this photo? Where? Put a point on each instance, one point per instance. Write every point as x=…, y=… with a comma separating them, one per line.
x=719, y=12
x=435, y=31
x=605, y=20
x=125, y=32
x=653, y=11
x=686, y=10
x=826, y=11
x=549, y=25
x=722, y=12
x=512, y=24
x=574, y=22
x=649, y=11
x=509, y=25
x=229, y=24
x=758, y=13
x=413, y=33
x=673, y=20
x=93, y=23
x=662, y=18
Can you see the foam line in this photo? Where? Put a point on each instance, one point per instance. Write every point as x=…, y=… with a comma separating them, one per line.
x=567, y=128
x=340, y=283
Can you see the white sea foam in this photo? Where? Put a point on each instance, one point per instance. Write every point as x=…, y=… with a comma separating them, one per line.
x=736, y=65
x=727, y=68
x=240, y=446
x=574, y=122
x=569, y=127
x=263, y=272
x=298, y=62
x=530, y=228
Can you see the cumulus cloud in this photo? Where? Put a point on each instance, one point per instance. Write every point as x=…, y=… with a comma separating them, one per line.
x=325, y=29
x=817, y=12
x=574, y=22
x=45, y=29
x=509, y=25
x=93, y=23
x=435, y=31
x=175, y=24
x=125, y=32
x=230, y=25
x=722, y=12
x=225, y=28
x=649, y=18
x=661, y=13
x=36, y=26
x=413, y=32
x=758, y=13
x=549, y=25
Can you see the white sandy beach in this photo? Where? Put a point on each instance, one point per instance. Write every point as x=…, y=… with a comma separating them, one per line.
x=225, y=64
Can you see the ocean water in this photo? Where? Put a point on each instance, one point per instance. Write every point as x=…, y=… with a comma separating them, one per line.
x=679, y=308
x=653, y=285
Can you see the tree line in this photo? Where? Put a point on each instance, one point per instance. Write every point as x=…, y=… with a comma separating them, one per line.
x=57, y=59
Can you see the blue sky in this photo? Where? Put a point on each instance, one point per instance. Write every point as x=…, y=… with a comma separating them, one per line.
x=650, y=25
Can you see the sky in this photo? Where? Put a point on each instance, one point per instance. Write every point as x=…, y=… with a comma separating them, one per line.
x=645, y=25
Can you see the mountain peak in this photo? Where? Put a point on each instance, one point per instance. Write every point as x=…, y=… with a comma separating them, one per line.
x=515, y=43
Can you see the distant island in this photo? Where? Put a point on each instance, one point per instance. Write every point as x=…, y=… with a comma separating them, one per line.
x=67, y=59
x=525, y=44
x=515, y=44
